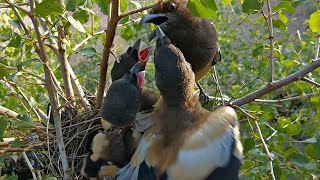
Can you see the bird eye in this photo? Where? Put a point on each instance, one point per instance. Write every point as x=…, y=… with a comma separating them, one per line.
x=171, y=7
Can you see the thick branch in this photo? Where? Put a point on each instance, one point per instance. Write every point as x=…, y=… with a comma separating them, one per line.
x=107, y=45
x=277, y=84
x=7, y=112
x=64, y=65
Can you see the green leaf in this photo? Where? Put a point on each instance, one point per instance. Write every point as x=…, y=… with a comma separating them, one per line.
x=311, y=151
x=71, y=5
x=314, y=22
x=283, y=17
x=123, y=5
x=15, y=23
x=15, y=41
x=290, y=151
x=76, y=24
x=104, y=6
x=258, y=50
x=248, y=145
x=279, y=24
x=3, y=91
x=48, y=7
x=298, y=159
x=23, y=63
x=202, y=8
x=3, y=127
x=284, y=5
x=5, y=34
x=4, y=71
x=311, y=166
x=251, y=6
x=12, y=177
x=226, y=2
x=25, y=118
x=290, y=63
x=127, y=32
x=124, y=20
x=89, y=52
x=17, y=143
x=292, y=129
x=282, y=121
x=82, y=16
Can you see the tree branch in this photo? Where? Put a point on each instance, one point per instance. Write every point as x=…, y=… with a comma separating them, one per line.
x=52, y=96
x=277, y=84
x=7, y=112
x=310, y=81
x=137, y=10
x=317, y=48
x=29, y=165
x=110, y=33
x=12, y=5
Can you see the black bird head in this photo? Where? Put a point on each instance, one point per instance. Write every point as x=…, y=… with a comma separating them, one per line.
x=128, y=59
x=122, y=101
x=174, y=75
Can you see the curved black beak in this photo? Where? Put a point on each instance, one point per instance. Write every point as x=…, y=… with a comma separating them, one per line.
x=135, y=47
x=162, y=38
x=156, y=19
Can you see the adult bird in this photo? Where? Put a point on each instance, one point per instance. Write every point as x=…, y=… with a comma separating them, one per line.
x=186, y=141
x=196, y=37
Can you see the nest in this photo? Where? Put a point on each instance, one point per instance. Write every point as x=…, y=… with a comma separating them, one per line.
x=42, y=151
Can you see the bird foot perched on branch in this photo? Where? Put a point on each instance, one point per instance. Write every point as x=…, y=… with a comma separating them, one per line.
x=203, y=96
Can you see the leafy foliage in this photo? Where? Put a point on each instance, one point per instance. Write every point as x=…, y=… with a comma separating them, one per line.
x=289, y=117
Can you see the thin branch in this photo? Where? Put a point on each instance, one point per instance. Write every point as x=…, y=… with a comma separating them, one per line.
x=261, y=138
x=52, y=95
x=18, y=7
x=310, y=81
x=137, y=10
x=29, y=165
x=317, y=48
x=271, y=37
x=286, y=99
x=277, y=84
x=26, y=149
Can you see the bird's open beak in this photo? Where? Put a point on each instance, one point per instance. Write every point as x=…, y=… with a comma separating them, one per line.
x=136, y=46
x=156, y=19
x=143, y=57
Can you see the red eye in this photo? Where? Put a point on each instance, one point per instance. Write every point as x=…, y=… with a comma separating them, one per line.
x=171, y=7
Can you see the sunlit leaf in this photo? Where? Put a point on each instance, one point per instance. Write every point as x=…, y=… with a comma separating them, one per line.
x=314, y=22
x=202, y=8
x=48, y=7
x=279, y=24
x=76, y=24
x=127, y=32
x=226, y=2
x=124, y=20
x=283, y=17
x=290, y=63
x=123, y=5
x=292, y=129
x=311, y=151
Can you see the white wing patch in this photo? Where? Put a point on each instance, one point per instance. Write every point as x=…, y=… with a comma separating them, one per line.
x=200, y=162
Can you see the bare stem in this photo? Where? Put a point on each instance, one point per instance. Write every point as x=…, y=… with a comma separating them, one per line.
x=317, y=48
x=261, y=138
x=29, y=165
x=7, y=112
x=310, y=81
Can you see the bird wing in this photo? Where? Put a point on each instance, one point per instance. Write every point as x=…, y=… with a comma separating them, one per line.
x=137, y=166
x=214, y=147
x=213, y=150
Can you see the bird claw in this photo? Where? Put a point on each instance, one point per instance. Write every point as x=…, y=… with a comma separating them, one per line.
x=204, y=98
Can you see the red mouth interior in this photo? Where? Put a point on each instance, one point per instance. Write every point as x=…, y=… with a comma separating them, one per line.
x=143, y=54
x=141, y=76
